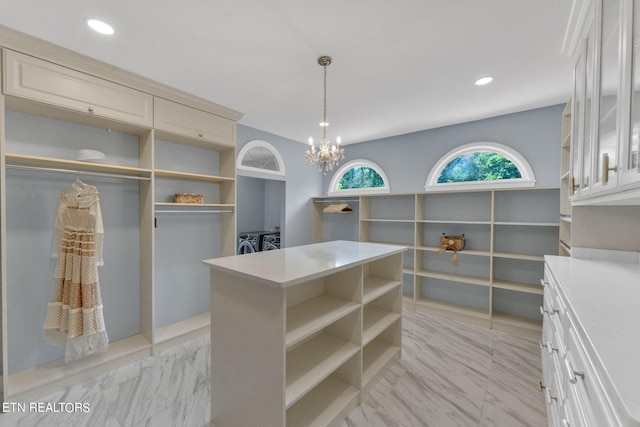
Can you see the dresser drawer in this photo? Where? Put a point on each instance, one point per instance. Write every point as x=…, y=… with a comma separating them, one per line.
x=585, y=394
x=37, y=80
x=194, y=124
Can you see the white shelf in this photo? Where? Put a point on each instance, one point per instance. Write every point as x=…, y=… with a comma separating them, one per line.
x=528, y=224
x=377, y=355
x=445, y=221
x=464, y=251
x=375, y=321
x=309, y=317
x=377, y=286
x=519, y=287
x=25, y=159
x=401, y=221
x=526, y=257
x=191, y=176
x=473, y=280
x=329, y=402
x=310, y=363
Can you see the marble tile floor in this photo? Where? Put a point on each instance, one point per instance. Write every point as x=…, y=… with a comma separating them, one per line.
x=456, y=374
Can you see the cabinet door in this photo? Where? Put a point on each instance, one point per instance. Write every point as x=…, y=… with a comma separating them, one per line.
x=606, y=143
x=37, y=80
x=588, y=121
x=193, y=124
x=578, y=122
x=629, y=165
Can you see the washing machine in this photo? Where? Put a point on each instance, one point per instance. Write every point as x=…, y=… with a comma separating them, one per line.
x=257, y=241
x=270, y=241
x=249, y=242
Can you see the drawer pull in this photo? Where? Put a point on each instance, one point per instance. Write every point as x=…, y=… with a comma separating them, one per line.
x=572, y=372
x=91, y=109
x=550, y=398
x=201, y=135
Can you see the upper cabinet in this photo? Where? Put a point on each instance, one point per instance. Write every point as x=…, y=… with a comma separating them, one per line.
x=195, y=124
x=50, y=84
x=606, y=110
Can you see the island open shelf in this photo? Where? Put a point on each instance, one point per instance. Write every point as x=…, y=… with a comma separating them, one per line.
x=298, y=334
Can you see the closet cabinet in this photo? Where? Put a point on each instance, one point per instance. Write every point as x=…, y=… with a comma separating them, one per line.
x=193, y=124
x=507, y=234
x=41, y=81
x=55, y=103
x=605, y=130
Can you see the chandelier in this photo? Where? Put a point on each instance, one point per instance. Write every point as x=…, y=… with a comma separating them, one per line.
x=327, y=156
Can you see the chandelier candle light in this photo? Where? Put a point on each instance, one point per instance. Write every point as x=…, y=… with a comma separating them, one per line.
x=327, y=156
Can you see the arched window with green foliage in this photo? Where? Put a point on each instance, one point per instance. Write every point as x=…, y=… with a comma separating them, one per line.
x=359, y=177
x=480, y=165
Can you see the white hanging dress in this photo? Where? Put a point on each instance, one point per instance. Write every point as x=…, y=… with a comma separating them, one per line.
x=74, y=317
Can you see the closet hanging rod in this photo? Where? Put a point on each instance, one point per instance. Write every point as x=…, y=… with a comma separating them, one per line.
x=337, y=201
x=193, y=211
x=76, y=172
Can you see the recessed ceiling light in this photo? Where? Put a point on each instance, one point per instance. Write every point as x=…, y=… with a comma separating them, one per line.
x=483, y=81
x=99, y=26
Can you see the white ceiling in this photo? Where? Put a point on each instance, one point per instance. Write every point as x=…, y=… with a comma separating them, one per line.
x=398, y=66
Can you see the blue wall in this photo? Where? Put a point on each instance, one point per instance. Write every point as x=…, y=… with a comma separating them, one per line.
x=407, y=159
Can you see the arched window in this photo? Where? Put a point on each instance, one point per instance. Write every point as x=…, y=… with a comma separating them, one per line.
x=260, y=157
x=359, y=177
x=480, y=165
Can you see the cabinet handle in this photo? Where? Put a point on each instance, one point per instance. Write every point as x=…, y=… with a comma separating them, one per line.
x=572, y=372
x=200, y=135
x=574, y=186
x=606, y=169
x=91, y=109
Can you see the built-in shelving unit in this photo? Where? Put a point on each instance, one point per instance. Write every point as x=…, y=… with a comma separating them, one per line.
x=340, y=331
x=158, y=142
x=507, y=234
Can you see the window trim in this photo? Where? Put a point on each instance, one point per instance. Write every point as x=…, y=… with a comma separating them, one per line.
x=337, y=176
x=528, y=178
x=267, y=146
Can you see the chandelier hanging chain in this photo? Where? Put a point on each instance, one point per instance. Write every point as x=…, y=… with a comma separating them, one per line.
x=327, y=156
x=324, y=112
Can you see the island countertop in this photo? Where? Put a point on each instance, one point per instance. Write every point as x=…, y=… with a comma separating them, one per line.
x=290, y=266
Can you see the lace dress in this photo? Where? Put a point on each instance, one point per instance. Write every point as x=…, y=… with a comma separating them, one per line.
x=74, y=317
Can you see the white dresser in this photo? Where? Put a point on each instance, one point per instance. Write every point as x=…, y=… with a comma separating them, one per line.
x=591, y=342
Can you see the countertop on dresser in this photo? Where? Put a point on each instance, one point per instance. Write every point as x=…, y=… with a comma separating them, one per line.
x=604, y=297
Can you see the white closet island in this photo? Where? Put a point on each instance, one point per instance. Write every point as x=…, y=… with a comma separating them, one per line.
x=299, y=333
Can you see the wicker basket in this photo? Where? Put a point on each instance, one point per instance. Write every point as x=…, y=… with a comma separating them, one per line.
x=190, y=198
